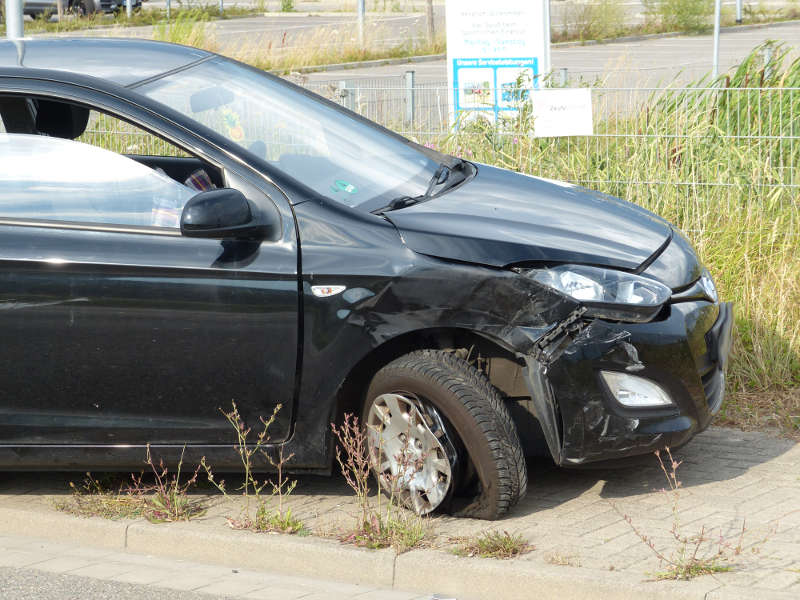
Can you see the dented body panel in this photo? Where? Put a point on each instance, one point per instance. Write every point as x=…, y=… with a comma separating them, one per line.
x=394, y=291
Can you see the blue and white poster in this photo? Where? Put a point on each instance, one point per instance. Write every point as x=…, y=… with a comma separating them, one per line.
x=495, y=55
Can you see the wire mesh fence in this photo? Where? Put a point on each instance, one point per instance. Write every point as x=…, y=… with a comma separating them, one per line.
x=699, y=155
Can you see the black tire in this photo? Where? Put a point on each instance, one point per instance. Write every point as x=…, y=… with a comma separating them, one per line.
x=475, y=410
x=83, y=8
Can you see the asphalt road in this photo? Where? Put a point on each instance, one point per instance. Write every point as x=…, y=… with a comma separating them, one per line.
x=31, y=584
x=642, y=63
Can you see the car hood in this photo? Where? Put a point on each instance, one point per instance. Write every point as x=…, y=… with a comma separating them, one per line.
x=500, y=218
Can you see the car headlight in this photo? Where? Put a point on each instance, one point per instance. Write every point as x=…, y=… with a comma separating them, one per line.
x=707, y=283
x=606, y=293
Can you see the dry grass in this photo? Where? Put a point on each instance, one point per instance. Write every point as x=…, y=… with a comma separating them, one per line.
x=492, y=544
x=329, y=45
x=768, y=410
x=95, y=497
x=563, y=560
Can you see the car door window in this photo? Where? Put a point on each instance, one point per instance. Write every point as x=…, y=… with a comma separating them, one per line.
x=111, y=133
x=58, y=179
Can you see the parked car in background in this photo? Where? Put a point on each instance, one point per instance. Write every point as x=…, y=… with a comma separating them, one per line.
x=179, y=231
x=35, y=8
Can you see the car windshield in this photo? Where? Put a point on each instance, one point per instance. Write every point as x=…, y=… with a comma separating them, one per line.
x=321, y=146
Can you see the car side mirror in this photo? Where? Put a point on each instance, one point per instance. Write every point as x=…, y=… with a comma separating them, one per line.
x=225, y=214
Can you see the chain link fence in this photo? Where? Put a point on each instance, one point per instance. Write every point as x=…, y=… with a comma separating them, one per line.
x=699, y=155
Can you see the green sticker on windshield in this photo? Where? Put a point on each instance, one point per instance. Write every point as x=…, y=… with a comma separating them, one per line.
x=343, y=186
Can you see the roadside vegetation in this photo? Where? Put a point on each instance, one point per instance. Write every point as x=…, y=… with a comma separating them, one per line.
x=492, y=544
x=47, y=23
x=605, y=19
x=685, y=555
x=382, y=521
x=160, y=497
x=265, y=509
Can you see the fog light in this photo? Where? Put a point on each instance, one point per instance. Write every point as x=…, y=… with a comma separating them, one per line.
x=635, y=392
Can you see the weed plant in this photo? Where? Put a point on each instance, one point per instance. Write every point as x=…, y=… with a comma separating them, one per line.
x=492, y=544
x=690, y=555
x=259, y=513
x=382, y=522
x=165, y=499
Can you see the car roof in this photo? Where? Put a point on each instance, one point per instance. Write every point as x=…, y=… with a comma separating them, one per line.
x=122, y=61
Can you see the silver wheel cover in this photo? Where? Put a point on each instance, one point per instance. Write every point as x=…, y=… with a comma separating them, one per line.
x=407, y=456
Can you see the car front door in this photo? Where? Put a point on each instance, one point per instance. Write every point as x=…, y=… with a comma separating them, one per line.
x=115, y=328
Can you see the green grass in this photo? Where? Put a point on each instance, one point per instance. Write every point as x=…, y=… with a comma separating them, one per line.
x=492, y=544
x=140, y=18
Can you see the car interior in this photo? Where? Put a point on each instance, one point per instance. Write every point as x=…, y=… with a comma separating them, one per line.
x=39, y=116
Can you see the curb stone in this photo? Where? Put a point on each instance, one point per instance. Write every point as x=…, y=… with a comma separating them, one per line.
x=288, y=554
x=366, y=64
x=97, y=532
x=423, y=571
x=671, y=34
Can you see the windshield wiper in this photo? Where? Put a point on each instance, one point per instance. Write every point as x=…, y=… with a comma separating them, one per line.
x=440, y=177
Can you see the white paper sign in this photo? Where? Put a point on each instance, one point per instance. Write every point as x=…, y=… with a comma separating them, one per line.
x=562, y=112
x=492, y=45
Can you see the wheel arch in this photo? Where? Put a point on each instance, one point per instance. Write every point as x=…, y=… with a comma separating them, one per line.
x=492, y=356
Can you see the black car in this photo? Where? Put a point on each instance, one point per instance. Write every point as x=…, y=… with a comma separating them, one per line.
x=250, y=241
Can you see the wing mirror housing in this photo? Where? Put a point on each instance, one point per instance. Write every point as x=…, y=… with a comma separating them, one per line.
x=226, y=214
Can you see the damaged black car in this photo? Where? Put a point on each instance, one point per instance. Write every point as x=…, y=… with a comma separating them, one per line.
x=179, y=231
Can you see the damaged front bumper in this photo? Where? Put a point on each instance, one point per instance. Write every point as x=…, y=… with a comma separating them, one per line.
x=684, y=352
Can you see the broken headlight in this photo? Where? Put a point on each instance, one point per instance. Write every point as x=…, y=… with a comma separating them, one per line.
x=606, y=293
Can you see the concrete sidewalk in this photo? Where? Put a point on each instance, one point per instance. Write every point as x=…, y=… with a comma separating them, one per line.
x=575, y=519
x=54, y=569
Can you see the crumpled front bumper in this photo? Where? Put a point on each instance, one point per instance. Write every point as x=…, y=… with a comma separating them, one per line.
x=686, y=352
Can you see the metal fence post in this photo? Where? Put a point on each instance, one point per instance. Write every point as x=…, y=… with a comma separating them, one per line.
x=14, y=27
x=361, y=12
x=715, y=61
x=346, y=94
x=129, y=8
x=168, y=9
x=564, y=77
x=221, y=7
x=767, y=61
x=739, y=12
x=431, y=32
x=410, y=97
x=547, y=37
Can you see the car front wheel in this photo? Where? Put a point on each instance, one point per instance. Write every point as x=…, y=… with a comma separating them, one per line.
x=442, y=438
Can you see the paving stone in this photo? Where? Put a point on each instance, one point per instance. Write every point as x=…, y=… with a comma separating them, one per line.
x=278, y=593
x=62, y=564
x=230, y=587
x=104, y=570
x=20, y=558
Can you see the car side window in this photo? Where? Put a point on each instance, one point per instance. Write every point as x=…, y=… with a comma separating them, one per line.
x=58, y=179
x=111, y=133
